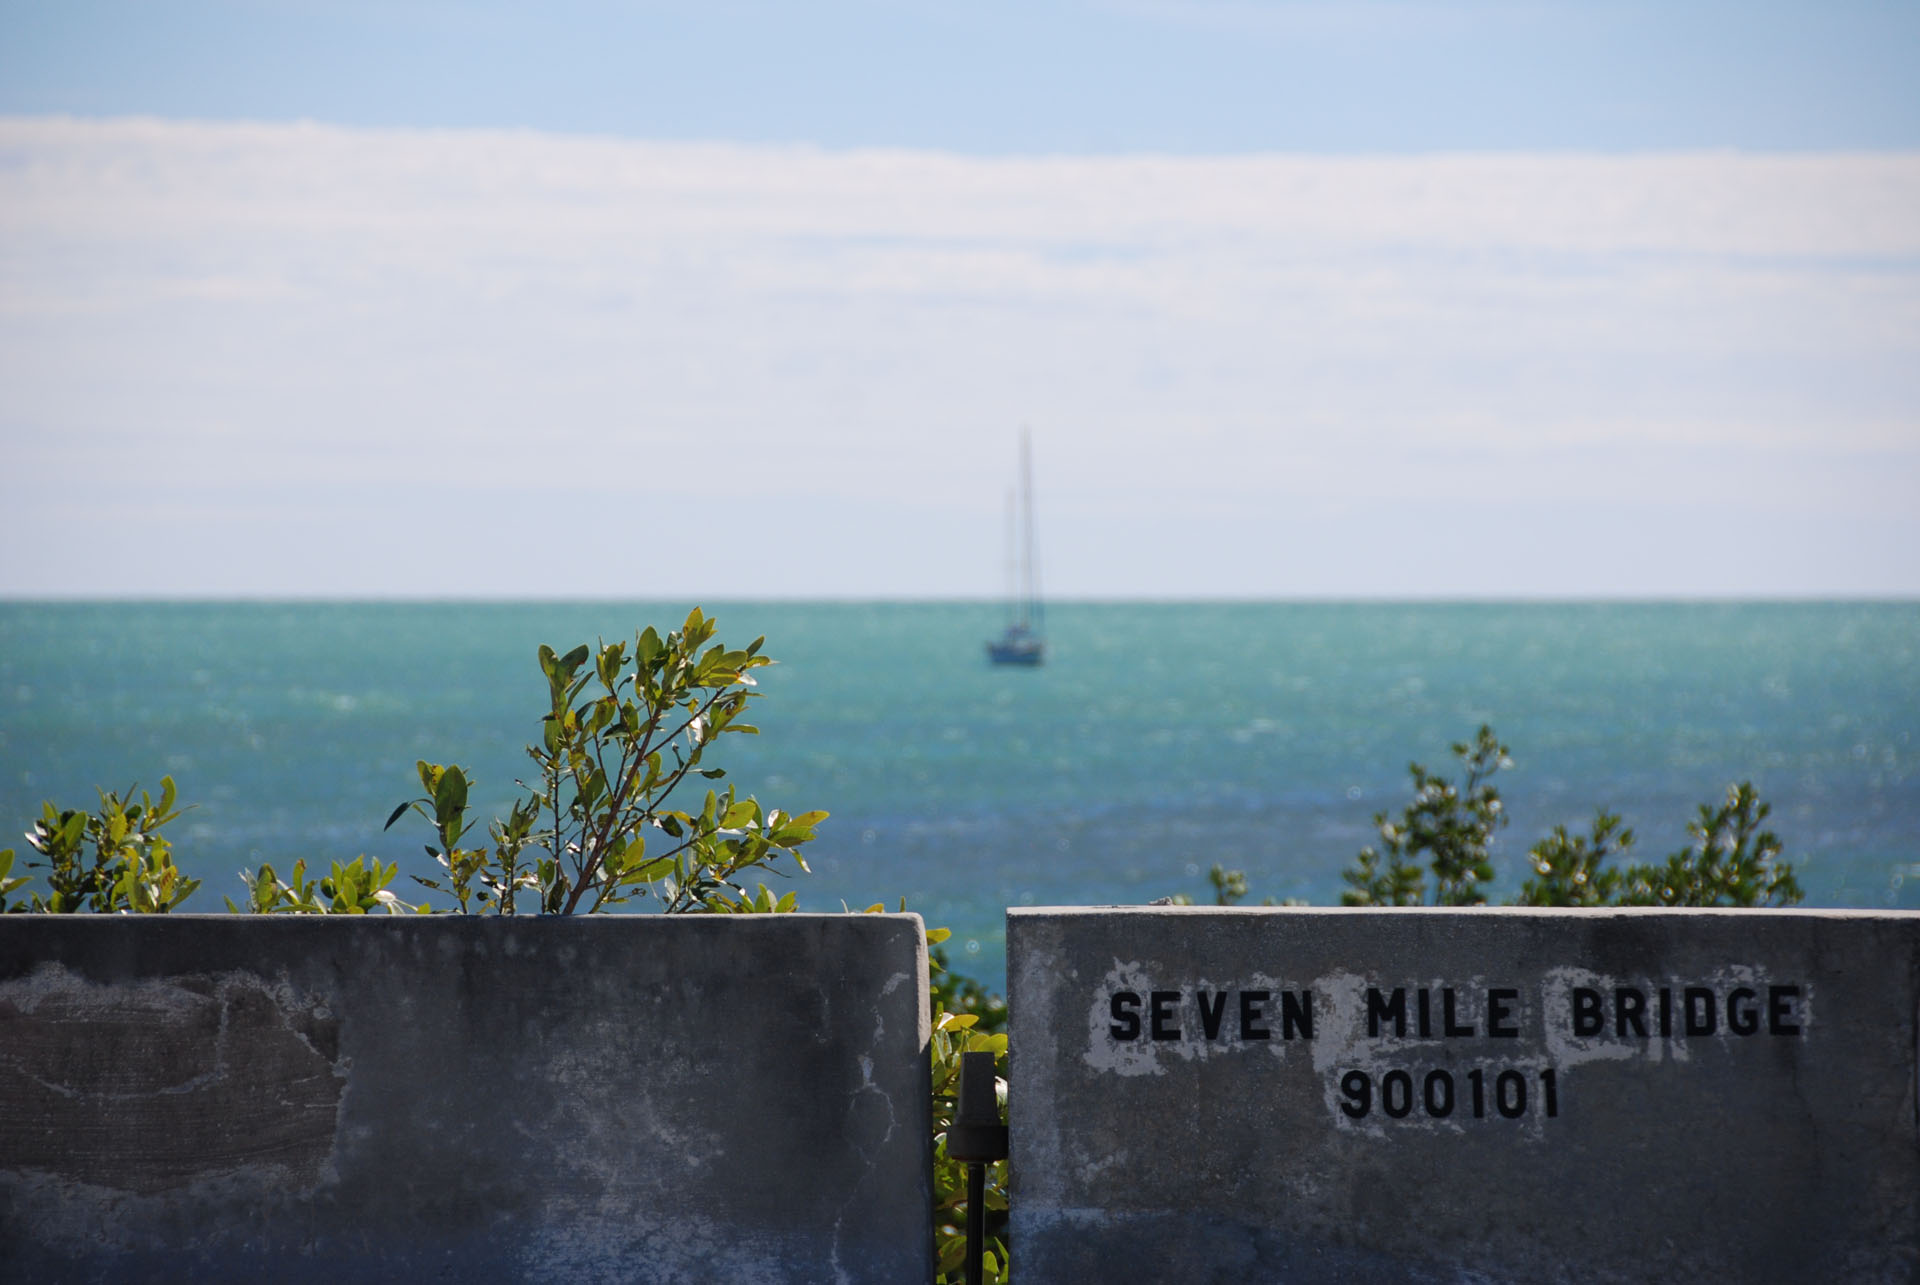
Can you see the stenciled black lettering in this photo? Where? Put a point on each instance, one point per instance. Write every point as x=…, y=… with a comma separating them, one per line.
x=1296, y=1014
x=1252, y=1014
x=1455, y=1029
x=1666, y=1013
x=1166, y=1021
x=1743, y=1011
x=1426, y=1013
x=1778, y=1011
x=1358, y=1089
x=1210, y=1015
x=1588, y=1019
x=1500, y=1023
x=1437, y=1093
x=1379, y=1008
x=1702, y=1016
x=1510, y=1094
x=1629, y=1009
x=1125, y=1009
x=1396, y=1094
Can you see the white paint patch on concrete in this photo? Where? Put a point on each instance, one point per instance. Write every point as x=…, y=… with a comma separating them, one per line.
x=1339, y=1030
x=75, y=994
x=1563, y=1046
x=1091, y=1169
x=1120, y=1057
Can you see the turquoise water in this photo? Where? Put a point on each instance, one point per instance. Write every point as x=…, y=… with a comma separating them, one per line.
x=1158, y=740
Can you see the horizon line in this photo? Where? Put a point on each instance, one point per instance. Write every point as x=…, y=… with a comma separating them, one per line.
x=858, y=600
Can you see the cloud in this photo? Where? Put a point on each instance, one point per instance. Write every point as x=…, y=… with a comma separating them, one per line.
x=398, y=329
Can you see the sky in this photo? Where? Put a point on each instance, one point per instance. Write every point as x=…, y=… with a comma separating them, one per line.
x=748, y=300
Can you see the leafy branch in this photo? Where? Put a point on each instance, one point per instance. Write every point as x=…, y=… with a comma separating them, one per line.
x=623, y=731
x=356, y=888
x=1454, y=826
x=132, y=865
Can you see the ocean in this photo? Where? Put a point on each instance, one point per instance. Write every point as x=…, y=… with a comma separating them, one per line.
x=1158, y=739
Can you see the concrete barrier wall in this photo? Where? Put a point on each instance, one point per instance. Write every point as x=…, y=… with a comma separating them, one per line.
x=739, y=1098
x=1491, y=1095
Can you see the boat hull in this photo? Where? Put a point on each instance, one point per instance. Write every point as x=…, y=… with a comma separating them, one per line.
x=1027, y=652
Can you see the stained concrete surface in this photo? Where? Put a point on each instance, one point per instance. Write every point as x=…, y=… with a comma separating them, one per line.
x=621, y=1098
x=1487, y=1095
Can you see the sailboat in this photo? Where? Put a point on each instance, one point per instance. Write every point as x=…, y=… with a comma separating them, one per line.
x=1024, y=641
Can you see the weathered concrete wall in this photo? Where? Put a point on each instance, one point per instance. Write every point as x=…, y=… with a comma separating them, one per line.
x=1493, y=1095
x=739, y=1098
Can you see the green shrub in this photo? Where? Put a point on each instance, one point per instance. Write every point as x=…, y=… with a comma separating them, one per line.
x=1731, y=861
x=10, y=883
x=621, y=735
x=132, y=862
x=356, y=888
x=1452, y=827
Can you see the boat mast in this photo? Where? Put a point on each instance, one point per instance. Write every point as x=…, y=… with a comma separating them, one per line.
x=1013, y=559
x=1030, y=593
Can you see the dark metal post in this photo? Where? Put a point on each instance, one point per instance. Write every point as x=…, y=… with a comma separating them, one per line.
x=976, y=1224
x=977, y=1139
